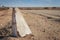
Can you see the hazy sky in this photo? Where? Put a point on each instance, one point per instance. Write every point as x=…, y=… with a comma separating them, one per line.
x=30, y=3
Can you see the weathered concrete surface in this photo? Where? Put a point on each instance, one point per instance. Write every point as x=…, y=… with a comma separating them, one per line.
x=22, y=26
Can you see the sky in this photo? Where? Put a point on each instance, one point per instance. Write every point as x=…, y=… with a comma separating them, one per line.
x=30, y=3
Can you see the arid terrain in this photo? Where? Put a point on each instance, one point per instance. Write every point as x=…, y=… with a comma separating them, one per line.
x=44, y=24
x=5, y=21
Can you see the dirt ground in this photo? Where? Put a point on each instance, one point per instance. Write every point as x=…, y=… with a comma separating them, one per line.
x=43, y=28
x=5, y=21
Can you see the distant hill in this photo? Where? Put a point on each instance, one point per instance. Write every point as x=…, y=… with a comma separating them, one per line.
x=4, y=8
x=38, y=8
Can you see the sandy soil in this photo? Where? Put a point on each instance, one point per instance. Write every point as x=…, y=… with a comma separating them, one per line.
x=51, y=13
x=43, y=28
x=5, y=22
